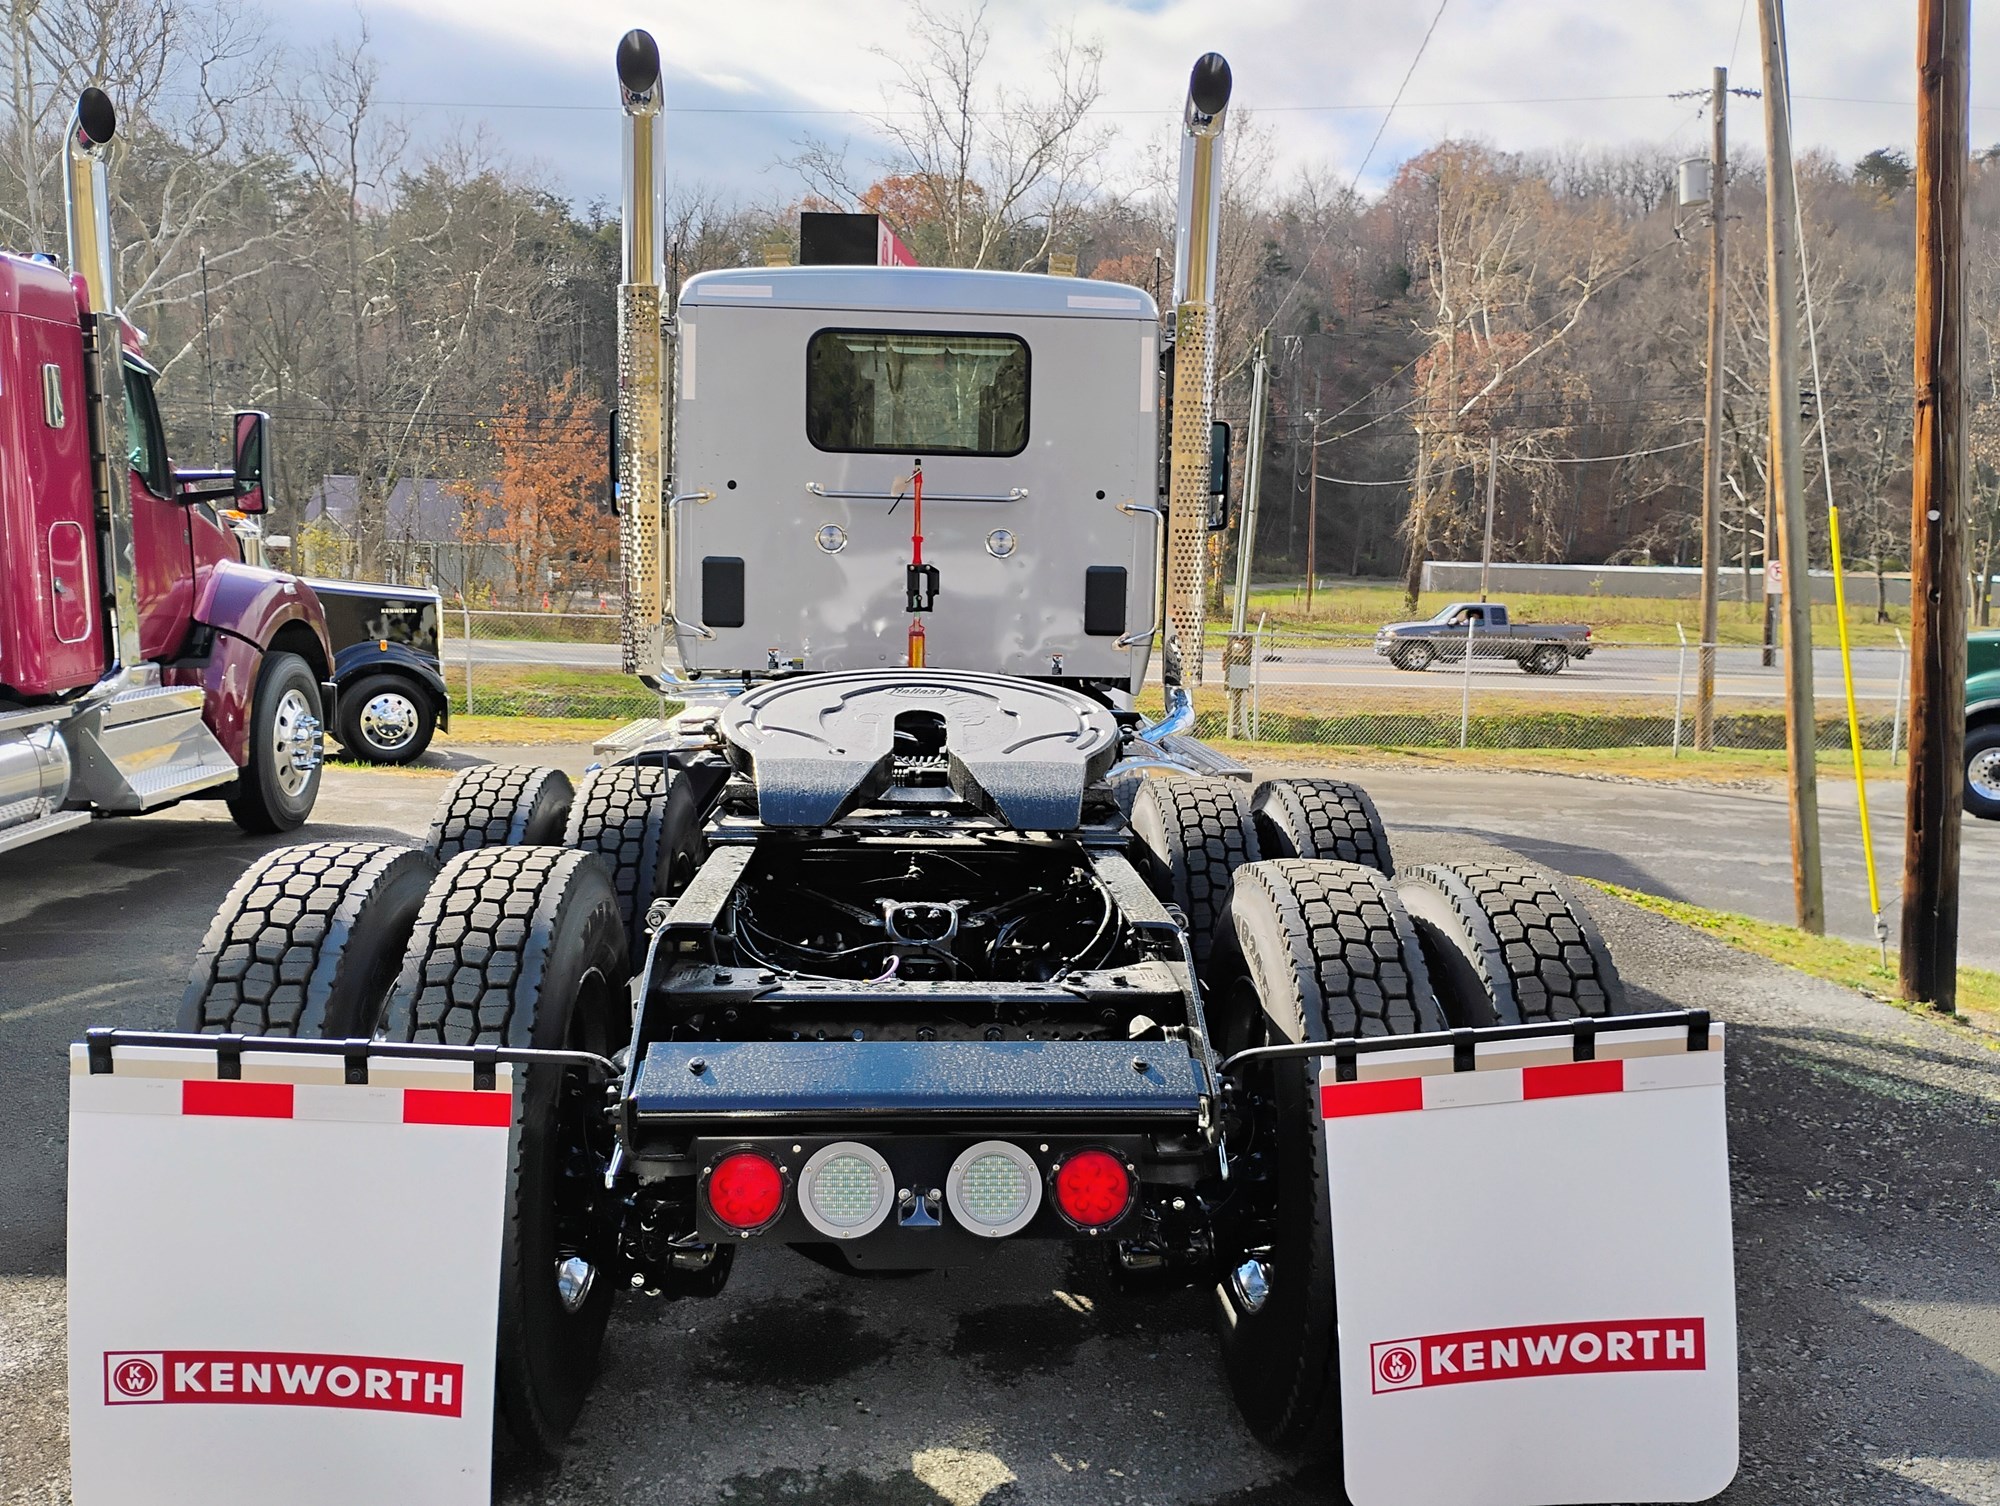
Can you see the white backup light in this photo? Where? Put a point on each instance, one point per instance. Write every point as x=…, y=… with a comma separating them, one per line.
x=846, y=1190
x=993, y=1188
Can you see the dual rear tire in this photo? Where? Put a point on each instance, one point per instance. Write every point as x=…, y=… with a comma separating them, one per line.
x=520, y=946
x=1318, y=950
x=502, y=945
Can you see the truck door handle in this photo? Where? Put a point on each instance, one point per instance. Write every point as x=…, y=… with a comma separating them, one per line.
x=1159, y=517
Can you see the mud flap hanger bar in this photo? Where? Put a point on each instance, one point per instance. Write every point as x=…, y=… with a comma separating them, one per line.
x=1464, y=1044
x=353, y=1051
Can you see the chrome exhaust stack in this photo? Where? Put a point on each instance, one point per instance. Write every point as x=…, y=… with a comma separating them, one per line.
x=87, y=211
x=643, y=546
x=1196, y=238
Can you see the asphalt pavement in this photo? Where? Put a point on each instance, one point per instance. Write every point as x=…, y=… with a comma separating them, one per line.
x=1866, y=1168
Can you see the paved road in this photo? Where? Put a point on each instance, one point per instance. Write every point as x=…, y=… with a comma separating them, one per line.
x=1866, y=1150
x=1725, y=849
x=1616, y=670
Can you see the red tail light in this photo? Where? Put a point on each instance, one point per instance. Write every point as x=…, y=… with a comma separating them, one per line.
x=1093, y=1189
x=745, y=1191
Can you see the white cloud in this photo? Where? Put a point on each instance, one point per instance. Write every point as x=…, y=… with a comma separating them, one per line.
x=1521, y=73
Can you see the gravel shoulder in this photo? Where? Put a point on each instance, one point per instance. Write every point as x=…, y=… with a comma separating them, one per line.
x=1866, y=1162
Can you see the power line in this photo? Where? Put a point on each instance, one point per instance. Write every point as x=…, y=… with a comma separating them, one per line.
x=871, y=114
x=1366, y=158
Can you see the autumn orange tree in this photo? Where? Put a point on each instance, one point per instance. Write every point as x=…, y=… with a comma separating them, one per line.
x=546, y=505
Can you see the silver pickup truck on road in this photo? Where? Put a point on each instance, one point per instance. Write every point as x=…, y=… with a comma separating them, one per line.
x=1541, y=648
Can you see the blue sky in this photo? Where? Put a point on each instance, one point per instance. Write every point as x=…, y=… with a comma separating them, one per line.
x=747, y=81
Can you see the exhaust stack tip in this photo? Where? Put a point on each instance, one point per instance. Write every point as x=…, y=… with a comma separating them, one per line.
x=96, y=116
x=638, y=64
x=1209, y=84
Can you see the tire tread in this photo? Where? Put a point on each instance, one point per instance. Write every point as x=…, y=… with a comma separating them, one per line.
x=500, y=805
x=279, y=949
x=1538, y=953
x=1320, y=818
x=1205, y=832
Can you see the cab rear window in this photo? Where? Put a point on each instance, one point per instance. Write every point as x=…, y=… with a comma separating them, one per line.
x=917, y=393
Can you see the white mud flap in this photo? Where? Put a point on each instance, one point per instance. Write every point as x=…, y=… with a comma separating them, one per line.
x=1533, y=1270
x=282, y=1288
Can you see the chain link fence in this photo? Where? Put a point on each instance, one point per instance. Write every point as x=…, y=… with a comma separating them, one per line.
x=539, y=664
x=1324, y=690
x=1465, y=691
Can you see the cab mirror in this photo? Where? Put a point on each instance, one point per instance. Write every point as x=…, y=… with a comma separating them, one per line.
x=1218, y=476
x=249, y=459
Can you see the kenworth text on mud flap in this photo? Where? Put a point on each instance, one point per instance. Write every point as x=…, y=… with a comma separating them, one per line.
x=142, y=662
x=906, y=940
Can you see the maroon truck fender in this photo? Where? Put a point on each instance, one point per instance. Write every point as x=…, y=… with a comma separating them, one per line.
x=252, y=611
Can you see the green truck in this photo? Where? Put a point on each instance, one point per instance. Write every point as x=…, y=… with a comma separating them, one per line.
x=1982, y=726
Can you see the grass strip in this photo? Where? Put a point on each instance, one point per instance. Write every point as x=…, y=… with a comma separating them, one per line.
x=1852, y=964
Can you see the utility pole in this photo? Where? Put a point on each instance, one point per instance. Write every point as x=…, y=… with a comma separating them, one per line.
x=1312, y=513
x=1413, y=583
x=1297, y=353
x=1780, y=203
x=1486, y=549
x=1711, y=479
x=208, y=345
x=1253, y=477
x=1236, y=658
x=1938, y=512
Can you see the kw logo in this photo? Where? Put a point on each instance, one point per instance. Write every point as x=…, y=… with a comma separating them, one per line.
x=1486, y=1354
x=244, y=1377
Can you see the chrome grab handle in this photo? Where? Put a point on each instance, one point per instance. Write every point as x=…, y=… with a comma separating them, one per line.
x=674, y=501
x=1159, y=516
x=1013, y=494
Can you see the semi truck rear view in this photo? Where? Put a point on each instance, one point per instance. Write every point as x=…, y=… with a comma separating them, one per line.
x=912, y=942
x=141, y=661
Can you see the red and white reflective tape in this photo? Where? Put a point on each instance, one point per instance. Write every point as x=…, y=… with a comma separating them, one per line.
x=1430, y=1083
x=188, y=1087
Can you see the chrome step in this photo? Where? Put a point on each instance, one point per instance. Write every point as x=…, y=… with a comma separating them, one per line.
x=144, y=747
x=46, y=825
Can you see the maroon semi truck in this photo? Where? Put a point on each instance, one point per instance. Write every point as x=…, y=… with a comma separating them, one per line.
x=142, y=662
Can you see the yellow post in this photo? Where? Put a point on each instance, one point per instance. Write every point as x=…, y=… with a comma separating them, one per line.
x=1854, y=731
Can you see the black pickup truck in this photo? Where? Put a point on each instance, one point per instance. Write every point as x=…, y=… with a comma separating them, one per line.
x=1541, y=648
x=385, y=661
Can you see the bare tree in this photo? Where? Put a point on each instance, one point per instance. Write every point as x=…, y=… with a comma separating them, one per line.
x=979, y=173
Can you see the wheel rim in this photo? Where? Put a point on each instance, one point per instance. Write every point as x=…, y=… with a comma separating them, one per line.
x=389, y=720
x=1982, y=772
x=295, y=743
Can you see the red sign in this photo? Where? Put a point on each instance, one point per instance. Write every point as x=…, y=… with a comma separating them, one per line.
x=890, y=250
x=1485, y=1354
x=254, y=1377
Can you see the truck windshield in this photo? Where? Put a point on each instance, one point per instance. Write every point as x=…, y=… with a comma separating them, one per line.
x=916, y=393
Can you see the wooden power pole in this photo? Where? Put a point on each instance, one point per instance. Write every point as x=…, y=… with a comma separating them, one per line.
x=1711, y=478
x=1780, y=203
x=1938, y=512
